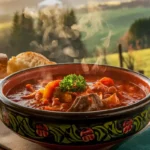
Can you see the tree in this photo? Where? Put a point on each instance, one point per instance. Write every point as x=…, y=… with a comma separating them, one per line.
x=39, y=30
x=69, y=18
x=14, y=39
x=27, y=32
x=75, y=40
x=16, y=22
x=57, y=40
x=139, y=33
x=22, y=33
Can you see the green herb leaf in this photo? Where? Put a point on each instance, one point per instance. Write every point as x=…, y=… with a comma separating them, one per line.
x=73, y=83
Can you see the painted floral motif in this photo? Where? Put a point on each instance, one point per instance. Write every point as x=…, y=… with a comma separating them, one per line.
x=54, y=133
x=87, y=135
x=42, y=130
x=127, y=126
x=5, y=116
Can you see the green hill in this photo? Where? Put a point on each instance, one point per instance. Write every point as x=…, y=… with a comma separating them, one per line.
x=119, y=21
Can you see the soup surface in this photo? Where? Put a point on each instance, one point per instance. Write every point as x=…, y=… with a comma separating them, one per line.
x=74, y=93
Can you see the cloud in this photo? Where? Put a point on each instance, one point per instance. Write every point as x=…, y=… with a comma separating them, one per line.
x=74, y=3
x=50, y=2
x=11, y=6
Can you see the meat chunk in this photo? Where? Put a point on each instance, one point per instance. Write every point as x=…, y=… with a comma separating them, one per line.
x=89, y=102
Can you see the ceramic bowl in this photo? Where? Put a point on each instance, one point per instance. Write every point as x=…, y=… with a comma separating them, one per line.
x=75, y=130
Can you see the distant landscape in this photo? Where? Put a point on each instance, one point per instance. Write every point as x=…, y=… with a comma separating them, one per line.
x=112, y=22
x=119, y=21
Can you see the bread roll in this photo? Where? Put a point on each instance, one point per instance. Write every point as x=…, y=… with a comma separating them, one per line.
x=26, y=60
x=3, y=65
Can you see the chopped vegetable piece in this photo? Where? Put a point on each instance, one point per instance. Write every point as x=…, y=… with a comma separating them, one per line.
x=38, y=95
x=45, y=102
x=107, y=81
x=66, y=97
x=30, y=96
x=30, y=88
x=112, y=89
x=51, y=108
x=111, y=101
x=55, y=101
x=73, y=83
x=49, y=89
x=100, y=87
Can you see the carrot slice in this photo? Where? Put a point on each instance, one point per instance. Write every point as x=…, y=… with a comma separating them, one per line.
x=107, y=81
x=30, y=88
x=49, y=89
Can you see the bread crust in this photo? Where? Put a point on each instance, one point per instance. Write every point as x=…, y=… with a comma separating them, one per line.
x=3, y=65
x=25, y=60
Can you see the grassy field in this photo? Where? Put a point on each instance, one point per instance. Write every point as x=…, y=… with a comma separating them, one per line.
x=5, y=25
x=118, y=21
x=142, y=60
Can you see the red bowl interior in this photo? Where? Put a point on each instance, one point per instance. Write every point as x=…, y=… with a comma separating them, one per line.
x=96, y=71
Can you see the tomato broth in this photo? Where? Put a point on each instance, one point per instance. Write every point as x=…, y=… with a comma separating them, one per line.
x=100, y=93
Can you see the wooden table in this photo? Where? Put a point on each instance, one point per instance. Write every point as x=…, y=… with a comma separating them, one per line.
x=14, y=142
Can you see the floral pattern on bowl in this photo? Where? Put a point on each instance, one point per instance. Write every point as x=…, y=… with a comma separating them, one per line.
x=65, y=134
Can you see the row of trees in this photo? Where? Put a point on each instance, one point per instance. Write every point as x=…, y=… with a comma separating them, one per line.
x=22, y=33
x=139, y=34
x=137, y=37
x=51, y=34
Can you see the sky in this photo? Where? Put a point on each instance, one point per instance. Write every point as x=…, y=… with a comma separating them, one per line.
x=75, y=2
x=10, y=6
